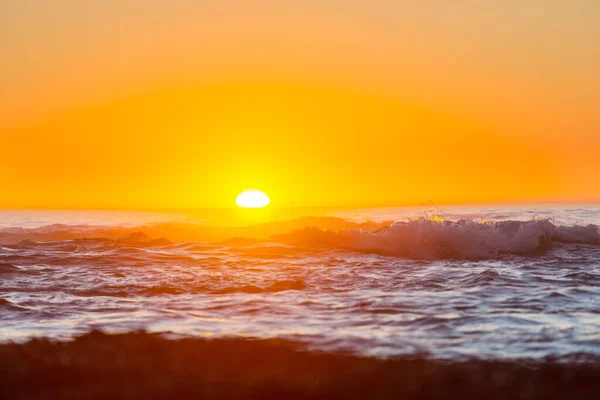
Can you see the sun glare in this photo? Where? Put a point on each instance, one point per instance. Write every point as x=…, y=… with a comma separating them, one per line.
x=252, y=199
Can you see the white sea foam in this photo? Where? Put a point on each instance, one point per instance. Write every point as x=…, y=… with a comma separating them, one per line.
x=430, y=239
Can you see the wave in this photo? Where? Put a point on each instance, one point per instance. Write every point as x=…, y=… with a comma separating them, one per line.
x=8, y=268
x=8, y=306
x=165, y=289
x=424, y=238
x=178, y=232
x=419, y=238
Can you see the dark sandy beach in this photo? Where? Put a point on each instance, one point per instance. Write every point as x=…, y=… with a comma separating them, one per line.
x=145, y=366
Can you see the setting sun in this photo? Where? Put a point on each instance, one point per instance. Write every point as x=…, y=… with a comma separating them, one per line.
x=252, y=199
x=300, y=198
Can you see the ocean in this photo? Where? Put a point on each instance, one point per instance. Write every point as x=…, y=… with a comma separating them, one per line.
x=487, y=282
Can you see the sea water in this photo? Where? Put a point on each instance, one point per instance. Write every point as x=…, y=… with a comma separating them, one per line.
x=443, y=282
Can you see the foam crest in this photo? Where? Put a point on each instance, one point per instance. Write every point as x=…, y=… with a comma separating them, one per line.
x=433, y=239
x=577, y=234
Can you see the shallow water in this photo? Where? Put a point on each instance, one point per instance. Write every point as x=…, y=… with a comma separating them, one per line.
x=485, y=282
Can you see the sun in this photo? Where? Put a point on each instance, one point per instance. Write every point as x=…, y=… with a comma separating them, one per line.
x=252, y=199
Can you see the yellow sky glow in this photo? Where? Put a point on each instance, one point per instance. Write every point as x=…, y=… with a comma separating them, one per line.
x=182, y=104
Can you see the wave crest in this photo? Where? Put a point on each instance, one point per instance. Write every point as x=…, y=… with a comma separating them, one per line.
x=432, y=239
x=419, y=238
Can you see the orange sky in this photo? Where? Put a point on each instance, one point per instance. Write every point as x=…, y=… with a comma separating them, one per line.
x=168, y=104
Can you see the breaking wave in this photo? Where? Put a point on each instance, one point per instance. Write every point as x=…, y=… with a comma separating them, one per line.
x=432, y=239
x=420, y=238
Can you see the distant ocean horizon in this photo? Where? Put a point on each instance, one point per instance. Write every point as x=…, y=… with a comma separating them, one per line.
x=36, y=217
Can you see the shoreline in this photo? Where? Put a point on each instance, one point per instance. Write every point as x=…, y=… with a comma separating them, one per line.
x=139, y=365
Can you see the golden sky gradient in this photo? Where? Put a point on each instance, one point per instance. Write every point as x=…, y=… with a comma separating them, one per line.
x=169, y=104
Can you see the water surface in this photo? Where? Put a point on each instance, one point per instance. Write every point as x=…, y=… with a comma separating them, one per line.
x=489, y=282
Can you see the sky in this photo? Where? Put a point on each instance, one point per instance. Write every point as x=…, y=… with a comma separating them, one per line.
x=147, y=104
